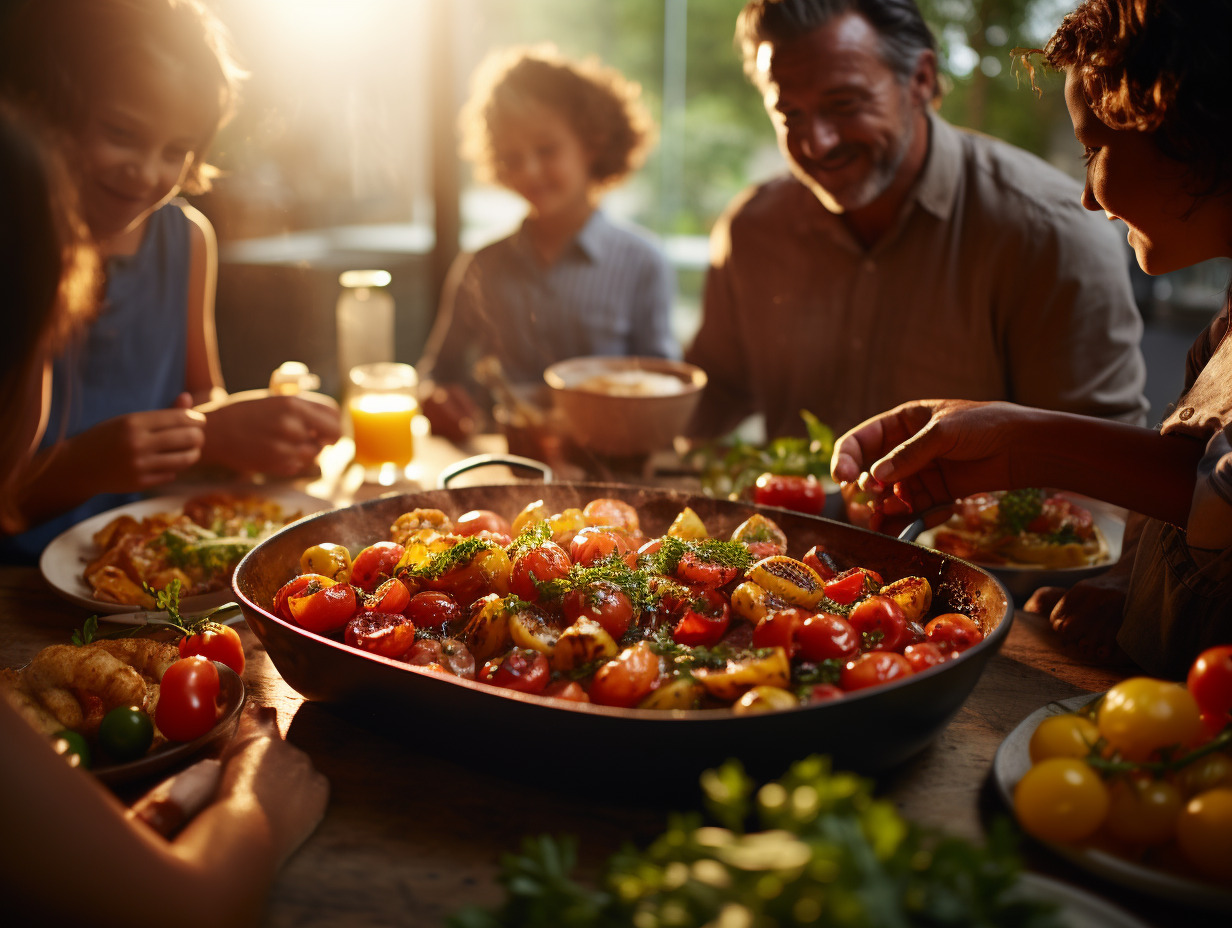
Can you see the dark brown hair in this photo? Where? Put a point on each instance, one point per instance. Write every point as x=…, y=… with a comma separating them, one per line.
x=600, y=105
x=1157, y=66
x=55, y=51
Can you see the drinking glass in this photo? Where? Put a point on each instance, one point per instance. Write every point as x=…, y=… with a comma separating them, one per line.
x=382, y=406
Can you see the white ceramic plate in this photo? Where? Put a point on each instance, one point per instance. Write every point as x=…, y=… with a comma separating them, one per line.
x=1013, y=760
x=232, y=694
x=1023, y=581
x=64, y=560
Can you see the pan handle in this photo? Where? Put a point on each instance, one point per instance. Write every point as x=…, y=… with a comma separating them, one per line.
x=484, y=460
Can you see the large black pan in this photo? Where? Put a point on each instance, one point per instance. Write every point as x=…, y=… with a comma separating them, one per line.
x=868, y=730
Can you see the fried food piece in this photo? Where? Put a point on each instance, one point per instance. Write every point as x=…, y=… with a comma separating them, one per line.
x=112, y=584
x=88, y=670
x=14, y=690
x=148, y=657
x=63, y=705
x=407, y=524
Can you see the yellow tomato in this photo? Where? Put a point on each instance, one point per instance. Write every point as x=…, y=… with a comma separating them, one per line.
x=1141, y=715
x=1143, y=811
x=1204, y=832
x=1067, y=735
x=1061, y=799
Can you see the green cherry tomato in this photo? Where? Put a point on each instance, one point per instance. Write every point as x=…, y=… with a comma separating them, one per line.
x=72, y=747
x=125, y=733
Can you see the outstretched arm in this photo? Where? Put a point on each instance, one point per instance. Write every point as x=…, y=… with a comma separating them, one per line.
x=934, y=451
x=68, y=829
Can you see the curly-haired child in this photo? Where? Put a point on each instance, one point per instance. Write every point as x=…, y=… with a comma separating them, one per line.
x=570, y=281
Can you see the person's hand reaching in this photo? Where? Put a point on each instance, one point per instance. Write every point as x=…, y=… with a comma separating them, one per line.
x=270, y=434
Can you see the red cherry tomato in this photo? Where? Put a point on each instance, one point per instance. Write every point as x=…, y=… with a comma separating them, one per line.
x=704, y=620
x=541, y=564
x=612, y=513
x=781, y=629
x=880, y=614
x=922, y=655
x=375, y=564
x=431, y=609
x=218, y=643
x=483, y=520
x=523, y=669
x=323, y=606
x=188, y=699
x=953, y=632
x=390, y=596
x=872, y=668
x=692, y=568
x=626, y=679
x=790, y=491
x=822, y=692
x=567, y=689
x=850, y=585
x=389, y=634
x=602, y=601
x=1210, y=681
x=594, y=543
x=289, y=589
x=826, y=636
x=817, y=558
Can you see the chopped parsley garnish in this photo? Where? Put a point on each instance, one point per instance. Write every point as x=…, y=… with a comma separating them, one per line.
x=461, y=553
x=710, y=550
x=532, y=536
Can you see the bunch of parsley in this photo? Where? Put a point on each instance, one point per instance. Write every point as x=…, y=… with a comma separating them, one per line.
x=826, y=853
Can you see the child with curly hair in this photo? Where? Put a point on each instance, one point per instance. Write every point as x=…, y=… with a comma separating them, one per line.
x=570, y=281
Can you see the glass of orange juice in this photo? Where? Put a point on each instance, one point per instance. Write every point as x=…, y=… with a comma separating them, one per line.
x=382, y=407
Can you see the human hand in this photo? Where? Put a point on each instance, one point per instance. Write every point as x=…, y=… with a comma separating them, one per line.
x=1087, y=616
x=270, y=434
x=930, y=452
x=259, y=766
x=140, y=450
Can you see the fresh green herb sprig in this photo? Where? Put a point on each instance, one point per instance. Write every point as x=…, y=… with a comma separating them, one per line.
x=461, y=553
x=825, y=853
x=728, y=470
x=710, y=550
x=166, y=600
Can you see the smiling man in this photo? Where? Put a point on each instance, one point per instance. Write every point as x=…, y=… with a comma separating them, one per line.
x=901, y=257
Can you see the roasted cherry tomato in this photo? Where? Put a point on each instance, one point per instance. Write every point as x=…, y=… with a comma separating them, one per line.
x=593, y=544
x=188, y=699
x=390, y=596
x=953, y=632
x=322, y=605
x=217, y=642
x=626, y=679
x=826, y=636
x=522, y=669
x=602, y=601
x=922, y=655
x=872, y=668
x=125, y=733
x=823, y=692
x=389, y=634
x=487, y=571
x=850, y=585
x=790, y=491
x=431, y=609
x=780, y=629
x=329, y=560
x=567, y=689
x=822, y=563
x=612, y=513
x=375, y=564
x=287, y=590
x=881, y=623
x=541, y=564
x=694, y=569
x=483, y=520
x=1210, y=681
x=704, y=620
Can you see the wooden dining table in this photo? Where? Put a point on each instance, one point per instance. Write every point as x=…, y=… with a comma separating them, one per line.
x=412, y=831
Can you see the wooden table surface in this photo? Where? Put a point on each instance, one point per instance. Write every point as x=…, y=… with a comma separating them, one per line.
x=410, y=835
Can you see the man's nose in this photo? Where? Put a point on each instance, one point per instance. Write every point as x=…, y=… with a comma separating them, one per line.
x=818, y=138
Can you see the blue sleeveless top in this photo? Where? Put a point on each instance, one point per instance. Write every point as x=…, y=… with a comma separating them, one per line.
x=131, y=358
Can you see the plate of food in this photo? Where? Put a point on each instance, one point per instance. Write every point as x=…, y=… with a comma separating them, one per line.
x=1119, y=849
x=99, y=701
x=1027, y=538
x=104, y=563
